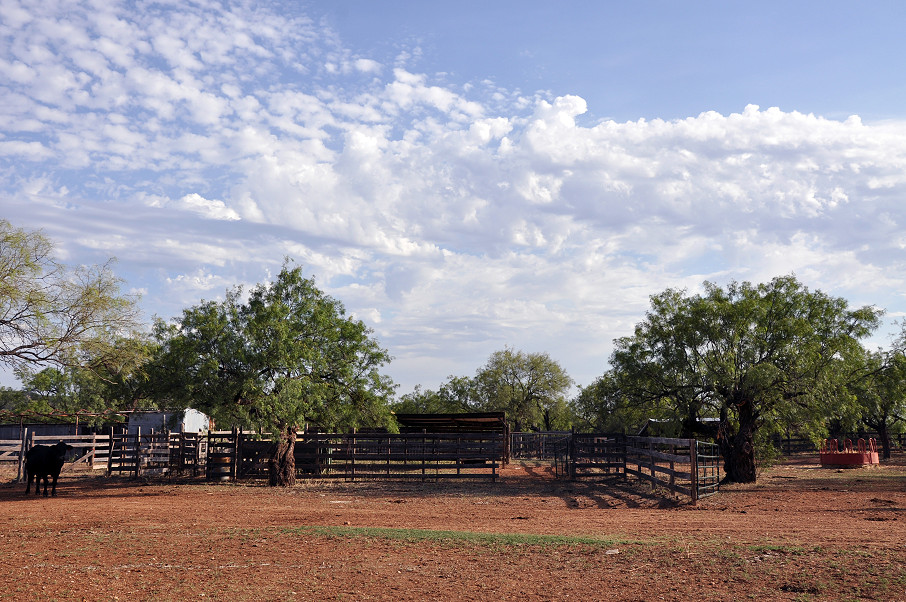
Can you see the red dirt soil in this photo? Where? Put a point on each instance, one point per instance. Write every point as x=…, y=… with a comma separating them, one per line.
x=801, y=533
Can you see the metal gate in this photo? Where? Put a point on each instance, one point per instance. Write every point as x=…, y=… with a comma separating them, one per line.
x=707, y=469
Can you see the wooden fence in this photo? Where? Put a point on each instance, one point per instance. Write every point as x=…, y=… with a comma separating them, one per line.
x=229, y=455
x=355, y=456
x=683, y=466
x=593, y=455
x=789, y=445
x=537, y=446
x=120, y=453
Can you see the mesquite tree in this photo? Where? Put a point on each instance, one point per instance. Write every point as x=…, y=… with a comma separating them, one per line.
x=285, y=357
x=55, y=315
x=750, y=352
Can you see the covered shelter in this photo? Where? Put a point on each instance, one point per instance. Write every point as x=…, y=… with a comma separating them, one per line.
x=467, y=422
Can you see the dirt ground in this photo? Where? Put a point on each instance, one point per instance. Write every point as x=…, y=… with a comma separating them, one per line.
x=801, y=533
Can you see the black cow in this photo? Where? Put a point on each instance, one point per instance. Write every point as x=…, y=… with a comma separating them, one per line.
x=43, y=461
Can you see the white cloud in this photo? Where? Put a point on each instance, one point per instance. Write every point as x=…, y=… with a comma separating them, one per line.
x=367, y=66
x=212, y=209
x=201, y=151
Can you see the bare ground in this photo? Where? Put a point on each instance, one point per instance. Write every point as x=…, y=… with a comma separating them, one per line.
x=801, y=533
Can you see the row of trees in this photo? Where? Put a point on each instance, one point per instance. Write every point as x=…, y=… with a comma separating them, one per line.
x=531, y=388
x=758, y=358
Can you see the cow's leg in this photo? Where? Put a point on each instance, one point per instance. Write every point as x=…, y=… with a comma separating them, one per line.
x=28, y=478
x=53, y=492
x=46, y=479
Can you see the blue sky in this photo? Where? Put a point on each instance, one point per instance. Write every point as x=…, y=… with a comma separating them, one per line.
x=463, y=176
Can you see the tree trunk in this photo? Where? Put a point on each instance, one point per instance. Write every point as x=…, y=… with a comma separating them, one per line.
x=283, y=461
x=738, y=449
x=884, y=435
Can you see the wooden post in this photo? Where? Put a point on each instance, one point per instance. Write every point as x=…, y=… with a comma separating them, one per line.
x=110, y=452
x=181, y=459
x=571, y=454
x=237, y=449
x=197, y=454
x=693, y=460
x=22, y=451
x=138, y=451
x=672, y=467
x=352, y=440
x=623, y=455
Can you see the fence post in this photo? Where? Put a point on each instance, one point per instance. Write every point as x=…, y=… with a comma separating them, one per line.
x=22, y=451
x=571, y=454
x=138, y=452
x=355, y=443
x=693, y=460
x=110, y=451
x=207, y=464
x=237, y=448
x=625, y=443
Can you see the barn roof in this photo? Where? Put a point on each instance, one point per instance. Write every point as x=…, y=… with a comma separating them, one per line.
x=451, y=423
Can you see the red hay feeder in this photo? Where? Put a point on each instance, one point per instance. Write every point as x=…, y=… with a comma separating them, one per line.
x=832, y=456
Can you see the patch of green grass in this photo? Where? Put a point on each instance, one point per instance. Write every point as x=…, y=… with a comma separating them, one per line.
x=507, y=540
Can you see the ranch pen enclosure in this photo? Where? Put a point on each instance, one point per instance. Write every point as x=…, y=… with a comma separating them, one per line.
x=684, y=467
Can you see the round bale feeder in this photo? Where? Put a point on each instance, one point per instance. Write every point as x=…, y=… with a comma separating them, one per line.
x=833, y=455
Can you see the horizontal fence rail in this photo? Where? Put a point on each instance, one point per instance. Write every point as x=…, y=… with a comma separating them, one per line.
x=537, y=446
x=685, y=467
x=663, y=461
x=115, y=453
x=789, y=445
x=231, y=455
x=354, y=456
x=597, y=455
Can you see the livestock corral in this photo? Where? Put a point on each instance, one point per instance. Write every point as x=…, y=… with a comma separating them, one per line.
x=802, y=532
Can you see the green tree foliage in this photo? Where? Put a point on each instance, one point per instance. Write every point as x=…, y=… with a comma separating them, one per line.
x=531, y=388
x=51, y=314
x=601, y=407
x=880, y=394
x=287, y=357
x=10, y=399
x=59, y=393
x=455, y=396
x=751, y=352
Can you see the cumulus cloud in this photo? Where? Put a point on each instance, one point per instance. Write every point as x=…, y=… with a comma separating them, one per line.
x=202, y=145
x=212, y=209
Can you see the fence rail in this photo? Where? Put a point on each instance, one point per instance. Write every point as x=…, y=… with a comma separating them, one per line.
x=597, y=455
x=133, y=454
x=683, y=466
x=537, y=446
x=789, y=445
x=667, y=462
x=353, y=456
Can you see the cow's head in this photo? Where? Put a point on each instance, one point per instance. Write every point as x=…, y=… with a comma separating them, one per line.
x=61, y=448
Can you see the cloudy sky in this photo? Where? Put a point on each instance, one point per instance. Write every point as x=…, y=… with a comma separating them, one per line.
x=463, y=176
